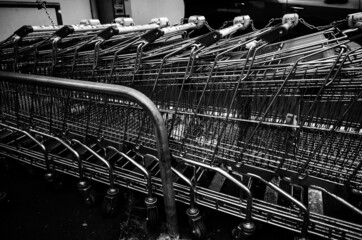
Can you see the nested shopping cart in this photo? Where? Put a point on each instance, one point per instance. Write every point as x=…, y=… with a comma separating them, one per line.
x=259, y=130
x=35, y=49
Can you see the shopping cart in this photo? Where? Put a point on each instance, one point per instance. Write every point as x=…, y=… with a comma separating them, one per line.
x=252, y=125
x=34, y=49
x=43, y=127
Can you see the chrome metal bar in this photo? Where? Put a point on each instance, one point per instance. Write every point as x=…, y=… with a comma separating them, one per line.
x=249, y=196
x=304, y=231
x=46, y=159
x=109, y=166
x=139, y=166
x=75, y=153
x=339, y=199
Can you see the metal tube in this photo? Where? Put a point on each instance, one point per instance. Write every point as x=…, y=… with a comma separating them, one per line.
x=185, y=179
x=109, y=166
x=339, y=199
x=290, y=198
x=75, y=153
x=131, y=94
x=47, y=164
x=249, y=196
x=192, y=188
x=139, y=166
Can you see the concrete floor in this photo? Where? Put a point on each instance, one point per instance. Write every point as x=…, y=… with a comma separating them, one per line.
x=35, y=210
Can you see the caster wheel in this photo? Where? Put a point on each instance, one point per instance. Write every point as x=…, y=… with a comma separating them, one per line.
x=58, y=183
x=110, y=202
x=2, y=197
x=153, y=219
x=49, y=177
x=243, y=231
x=89, y=199
x=54, y=180
x=109, y=206
x=87, y=193
x=199, y=230
x=196, y=223
x=300, y=238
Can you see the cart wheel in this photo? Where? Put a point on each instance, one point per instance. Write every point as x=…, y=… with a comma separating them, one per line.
x=196, y=223
x=89, y=199
x=243, y=231
x=54, y=180
x=298, y=237
x=49, y=177
x=153, y=219
x=110, y=202
x=237, y=233
x=199, y=230
x=58, y=183
x=87, y=193
x=2, y=197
